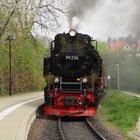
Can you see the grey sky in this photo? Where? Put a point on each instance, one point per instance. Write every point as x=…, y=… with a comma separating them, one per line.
x=104, y=18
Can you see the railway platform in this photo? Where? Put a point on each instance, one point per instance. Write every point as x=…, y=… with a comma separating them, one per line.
x=17, y=113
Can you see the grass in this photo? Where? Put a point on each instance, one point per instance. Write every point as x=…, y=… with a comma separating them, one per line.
x=121, y=110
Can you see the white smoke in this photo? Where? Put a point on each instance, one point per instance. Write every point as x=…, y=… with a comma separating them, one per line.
x=104, y=18
x=74, y=23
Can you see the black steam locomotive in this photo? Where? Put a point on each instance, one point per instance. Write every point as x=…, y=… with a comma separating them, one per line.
x=73, y=73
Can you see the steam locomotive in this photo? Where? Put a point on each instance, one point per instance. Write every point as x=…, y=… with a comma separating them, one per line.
x=73, y=73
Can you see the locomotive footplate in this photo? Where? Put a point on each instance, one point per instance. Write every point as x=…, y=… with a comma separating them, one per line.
x=69, y=101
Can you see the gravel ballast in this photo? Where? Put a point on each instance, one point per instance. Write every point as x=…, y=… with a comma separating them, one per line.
x=108, y=131
x=44, y=129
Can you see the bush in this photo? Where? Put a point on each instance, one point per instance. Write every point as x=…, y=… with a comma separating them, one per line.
x=27, y=66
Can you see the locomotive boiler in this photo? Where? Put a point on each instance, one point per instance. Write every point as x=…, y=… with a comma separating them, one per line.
x=73, y=73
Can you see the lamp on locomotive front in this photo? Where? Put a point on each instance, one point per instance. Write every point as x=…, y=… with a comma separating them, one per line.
x=72, y=32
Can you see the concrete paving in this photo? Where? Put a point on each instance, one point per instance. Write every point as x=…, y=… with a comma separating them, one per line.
x=136, y=132
x=6, y=101
x=16, y=124
x=132, y=94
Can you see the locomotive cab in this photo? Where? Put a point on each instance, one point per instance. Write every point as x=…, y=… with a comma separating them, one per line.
x=73, y=73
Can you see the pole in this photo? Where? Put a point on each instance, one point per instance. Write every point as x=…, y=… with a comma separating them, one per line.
x=10, y=69
x=118, y=77
x=10, y=38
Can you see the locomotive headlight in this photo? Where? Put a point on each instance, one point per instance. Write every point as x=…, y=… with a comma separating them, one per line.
x=85, y=80
x=72, y=32
x=56, y=80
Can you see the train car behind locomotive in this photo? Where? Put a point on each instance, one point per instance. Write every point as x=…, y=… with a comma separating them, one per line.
x=73, y=73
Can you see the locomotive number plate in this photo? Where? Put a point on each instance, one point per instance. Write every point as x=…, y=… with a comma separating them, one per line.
x=72, y=58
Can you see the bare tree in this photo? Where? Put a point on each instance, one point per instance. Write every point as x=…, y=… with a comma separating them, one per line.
x=26, y=14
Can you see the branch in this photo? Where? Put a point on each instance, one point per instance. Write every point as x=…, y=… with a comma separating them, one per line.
x=58, y=9
x=34, y=40
x=54, y=17
x=41, y=24
x=7, y=22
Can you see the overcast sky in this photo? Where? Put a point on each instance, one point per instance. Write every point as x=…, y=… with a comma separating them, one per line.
x=104, y=18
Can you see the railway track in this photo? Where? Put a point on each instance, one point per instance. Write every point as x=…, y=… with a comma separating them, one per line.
x=78, y=129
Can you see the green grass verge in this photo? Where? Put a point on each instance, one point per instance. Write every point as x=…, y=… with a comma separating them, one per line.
x=121, y=110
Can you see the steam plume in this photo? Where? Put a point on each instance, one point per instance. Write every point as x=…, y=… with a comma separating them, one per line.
x=104, y=18
x=74, y=23
x=77, y=9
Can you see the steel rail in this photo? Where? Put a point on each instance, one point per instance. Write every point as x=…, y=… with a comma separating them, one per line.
x=98, y=134
x=61, y=129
